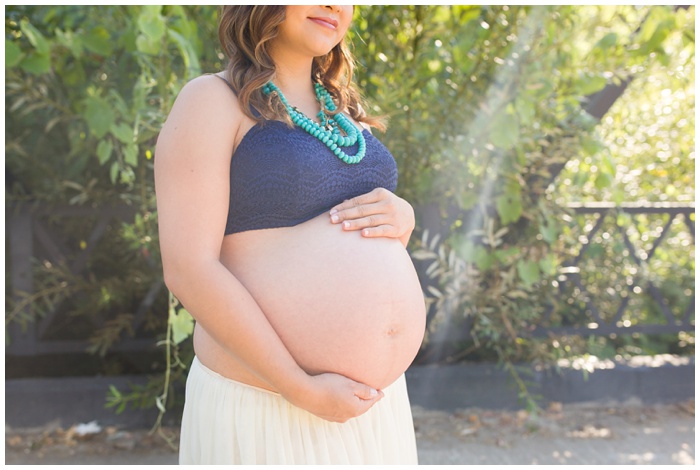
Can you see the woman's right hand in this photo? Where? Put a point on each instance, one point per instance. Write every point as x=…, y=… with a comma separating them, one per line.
x=337, y=398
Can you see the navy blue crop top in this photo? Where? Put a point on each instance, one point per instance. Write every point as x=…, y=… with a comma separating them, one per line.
x=282, y=176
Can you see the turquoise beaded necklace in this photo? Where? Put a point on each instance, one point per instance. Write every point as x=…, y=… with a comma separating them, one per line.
x=329, y=130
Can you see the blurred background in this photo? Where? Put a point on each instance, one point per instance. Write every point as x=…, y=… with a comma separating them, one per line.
x=548, y=151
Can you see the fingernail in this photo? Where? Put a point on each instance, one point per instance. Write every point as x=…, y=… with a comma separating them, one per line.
x=346, y=224
x=334, y=211
x=334, y=218
x=373, y=393
x=365, y=232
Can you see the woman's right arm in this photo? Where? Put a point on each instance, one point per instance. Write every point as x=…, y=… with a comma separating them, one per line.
x=192, y=165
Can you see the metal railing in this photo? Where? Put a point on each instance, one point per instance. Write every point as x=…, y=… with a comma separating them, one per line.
x=32, y=237
x=637, y=300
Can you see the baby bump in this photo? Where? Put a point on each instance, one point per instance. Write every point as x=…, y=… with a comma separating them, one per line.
x=339, y=302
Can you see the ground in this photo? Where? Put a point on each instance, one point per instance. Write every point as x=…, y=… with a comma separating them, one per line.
x=571, y=434
x=629, y=433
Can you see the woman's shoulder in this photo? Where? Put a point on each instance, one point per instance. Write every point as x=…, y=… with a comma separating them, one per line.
x=208, y=98
x=209, y=86
x=205, y=111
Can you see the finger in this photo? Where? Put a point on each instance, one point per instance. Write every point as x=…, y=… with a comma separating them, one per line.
x=367, y=222
x=365, y=392
x=362, y=406
x=357, y=212
x=380, y=231
x=376, y=195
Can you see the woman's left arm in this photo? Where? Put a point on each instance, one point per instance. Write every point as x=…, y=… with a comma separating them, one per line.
x=378, y=213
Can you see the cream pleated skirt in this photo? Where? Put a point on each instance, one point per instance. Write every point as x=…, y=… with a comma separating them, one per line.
x=228, y=422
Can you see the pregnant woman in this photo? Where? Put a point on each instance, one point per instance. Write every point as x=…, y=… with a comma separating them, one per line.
x=281, y=235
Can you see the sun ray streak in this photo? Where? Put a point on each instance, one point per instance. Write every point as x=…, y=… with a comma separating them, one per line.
x=475, y=131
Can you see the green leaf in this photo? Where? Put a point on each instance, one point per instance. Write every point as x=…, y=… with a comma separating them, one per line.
x=607, y=41
x=131, y=152
x=114, y=172
x=99, y=41
x=13, y=54
x=466, y=250
x=146, y=45
x=467, y=200
x=126, y=175
x=656, y=28
x=509, y=208
x=189, y=55
x=122, y=132
x=549, y=230
x=35, y=38
x=104, y=151
x=180, y=23
x=71, y=41
x=503, y=255
x=118, y=103
x=528, y=271
x=603, y=180
x=618, y=196
x=591, y=145
x=73, y=74
x=588, y=84
x=549, y=264
x=441, y=15
x=468, y=13
x=505, y=130
x=482, y=258
x=99, y=115
x=182, y=325
x=607, y=165
x=115, y=392
x=152, y=24
x=36, y=64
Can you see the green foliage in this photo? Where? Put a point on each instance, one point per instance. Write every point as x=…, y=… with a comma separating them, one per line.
x=182, y=325
x=648, y=139
x=160, y=391
x=647, y=155
x=93, y=85
x=486, y=108
x=87, y=90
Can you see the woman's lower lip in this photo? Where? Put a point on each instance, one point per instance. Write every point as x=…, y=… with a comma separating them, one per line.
x=322, y=23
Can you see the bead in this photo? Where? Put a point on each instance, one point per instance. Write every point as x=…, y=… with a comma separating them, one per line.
x=330, y=127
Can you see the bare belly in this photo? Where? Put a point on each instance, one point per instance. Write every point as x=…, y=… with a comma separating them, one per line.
x=339, y=302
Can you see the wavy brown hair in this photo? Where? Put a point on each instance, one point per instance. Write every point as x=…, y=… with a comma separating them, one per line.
x=245, y=32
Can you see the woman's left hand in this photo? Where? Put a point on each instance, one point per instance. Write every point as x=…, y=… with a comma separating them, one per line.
x=378, y=213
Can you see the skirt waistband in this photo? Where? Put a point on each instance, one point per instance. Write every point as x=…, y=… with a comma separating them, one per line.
x=197, y=364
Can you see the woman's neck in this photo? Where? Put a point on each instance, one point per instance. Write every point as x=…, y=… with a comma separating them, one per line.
x=298, y=89
x=295, y=83
x=293, y=73
x=293, y=78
